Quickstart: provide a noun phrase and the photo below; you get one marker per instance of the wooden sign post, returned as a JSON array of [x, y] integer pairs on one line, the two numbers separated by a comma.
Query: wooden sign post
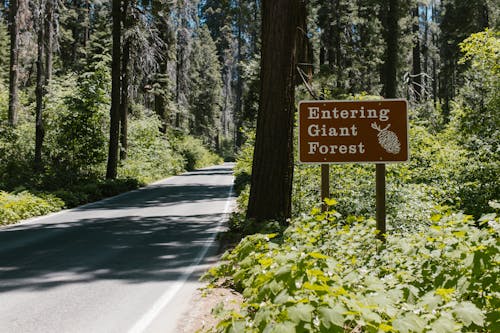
[[355, 132]]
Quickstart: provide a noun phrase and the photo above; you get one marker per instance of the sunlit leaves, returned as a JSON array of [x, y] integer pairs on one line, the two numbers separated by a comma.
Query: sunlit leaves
[[439, 279]]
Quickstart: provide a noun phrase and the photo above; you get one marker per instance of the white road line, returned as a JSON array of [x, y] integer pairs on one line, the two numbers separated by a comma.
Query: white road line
[[143, 323]]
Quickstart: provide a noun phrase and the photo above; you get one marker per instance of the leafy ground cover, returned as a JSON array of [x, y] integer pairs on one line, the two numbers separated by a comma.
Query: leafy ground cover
[[328, 273], [15, 207]]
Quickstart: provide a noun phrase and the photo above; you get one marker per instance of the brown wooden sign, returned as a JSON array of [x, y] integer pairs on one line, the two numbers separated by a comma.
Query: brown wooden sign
[[353, 131]]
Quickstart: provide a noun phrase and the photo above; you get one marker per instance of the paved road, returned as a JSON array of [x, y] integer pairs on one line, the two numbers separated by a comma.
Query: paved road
[[126, 264]]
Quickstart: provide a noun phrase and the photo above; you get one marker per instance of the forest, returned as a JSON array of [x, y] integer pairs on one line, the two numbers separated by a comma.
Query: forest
[[98, 98]]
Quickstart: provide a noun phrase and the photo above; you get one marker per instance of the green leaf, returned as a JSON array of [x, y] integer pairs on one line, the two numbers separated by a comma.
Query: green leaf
[[286, 327], [444, 325], [318, 255], [330, 202], [237, 326], [468, 313], [282, 297], [331, 317], [300, 312], [409, 323]]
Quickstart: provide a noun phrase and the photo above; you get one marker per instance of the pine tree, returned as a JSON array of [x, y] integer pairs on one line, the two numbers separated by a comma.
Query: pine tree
[[205, 89]]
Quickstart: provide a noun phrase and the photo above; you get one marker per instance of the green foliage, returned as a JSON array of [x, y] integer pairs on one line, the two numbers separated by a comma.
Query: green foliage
[[243, 166], [432, 177], [194, 154], [476, 116], [23, 205], [476, 121], [4, 52], [205, 89], [79, 130], [94, 190], [150, 153], [327, 273], [16, 151]]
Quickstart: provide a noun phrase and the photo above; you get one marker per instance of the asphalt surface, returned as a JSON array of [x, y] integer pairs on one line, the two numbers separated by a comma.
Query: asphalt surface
[[125, 264]]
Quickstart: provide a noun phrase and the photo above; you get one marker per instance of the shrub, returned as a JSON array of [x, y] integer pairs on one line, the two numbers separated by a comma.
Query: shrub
[[195, 155], [150, 153], [23, 205], [17, 153], [329, 274]]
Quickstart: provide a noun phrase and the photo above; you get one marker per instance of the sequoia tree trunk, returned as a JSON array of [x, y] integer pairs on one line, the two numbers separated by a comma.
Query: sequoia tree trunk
[[124, 104], [39, 91], [114, 126], [272, 169]]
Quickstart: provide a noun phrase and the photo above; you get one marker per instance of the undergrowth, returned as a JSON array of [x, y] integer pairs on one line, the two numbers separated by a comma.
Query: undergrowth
[[328, 273]]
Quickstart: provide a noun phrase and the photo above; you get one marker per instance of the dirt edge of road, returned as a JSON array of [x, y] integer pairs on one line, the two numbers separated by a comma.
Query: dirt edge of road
[[201, 316]]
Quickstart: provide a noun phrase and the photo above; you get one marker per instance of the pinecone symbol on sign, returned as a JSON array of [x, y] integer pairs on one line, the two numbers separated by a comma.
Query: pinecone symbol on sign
[[387, 139]]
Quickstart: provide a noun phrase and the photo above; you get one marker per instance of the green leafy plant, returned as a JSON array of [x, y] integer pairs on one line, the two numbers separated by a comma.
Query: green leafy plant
[[327, 273], [23, 205]]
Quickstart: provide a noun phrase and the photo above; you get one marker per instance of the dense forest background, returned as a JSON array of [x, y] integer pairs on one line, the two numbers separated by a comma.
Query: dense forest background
[[131, 91]]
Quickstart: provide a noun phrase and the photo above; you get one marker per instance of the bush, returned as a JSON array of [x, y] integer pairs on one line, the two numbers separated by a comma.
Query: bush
[[195, 155], [329, 274], [17, 154], [95, 190], [150, 153], [23, 205]]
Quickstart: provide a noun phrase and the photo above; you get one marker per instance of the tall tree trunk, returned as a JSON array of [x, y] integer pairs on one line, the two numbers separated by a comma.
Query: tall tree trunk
[[425, 54], [160, 103], [391, 64], [86, 27], [14, 62], [391, 36], [338, 46], [161, 13], [272, 169], [39, 91], [417, 69], [49, 37], [239, 86], [114, 126], [125, 84]]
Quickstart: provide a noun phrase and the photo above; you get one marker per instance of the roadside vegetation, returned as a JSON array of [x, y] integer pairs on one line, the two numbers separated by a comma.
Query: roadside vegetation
[[74, 168], [438, 269]]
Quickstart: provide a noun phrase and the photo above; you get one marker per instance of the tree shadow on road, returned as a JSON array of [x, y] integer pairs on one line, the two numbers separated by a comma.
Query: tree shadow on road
[[80, 246]]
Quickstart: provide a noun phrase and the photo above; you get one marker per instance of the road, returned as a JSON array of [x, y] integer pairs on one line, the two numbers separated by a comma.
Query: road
[[125, 264]]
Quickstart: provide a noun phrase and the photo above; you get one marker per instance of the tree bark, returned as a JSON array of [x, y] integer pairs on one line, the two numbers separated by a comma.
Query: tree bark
[[14, 62], [49, 40], [239, 87], [425, 55], [39, 91], [272, 172], [417, 68], [86, 27], [391, 36], [114, 126], [125, 85]]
